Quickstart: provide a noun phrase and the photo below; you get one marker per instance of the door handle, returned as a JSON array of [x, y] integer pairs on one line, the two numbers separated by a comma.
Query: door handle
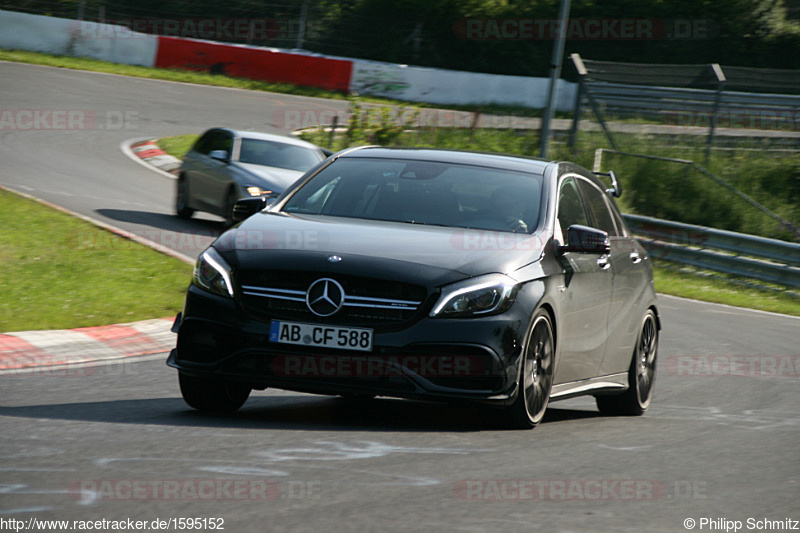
[[602, 262], [635, 257]]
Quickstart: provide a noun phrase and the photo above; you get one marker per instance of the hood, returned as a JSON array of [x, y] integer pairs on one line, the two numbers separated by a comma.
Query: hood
[[426, 255], [278, 179]]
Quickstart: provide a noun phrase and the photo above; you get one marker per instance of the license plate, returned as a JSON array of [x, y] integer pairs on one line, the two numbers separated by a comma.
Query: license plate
[[319, 335]]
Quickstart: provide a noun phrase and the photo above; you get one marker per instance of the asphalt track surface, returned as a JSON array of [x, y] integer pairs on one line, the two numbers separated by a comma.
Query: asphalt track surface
[[116, 442]]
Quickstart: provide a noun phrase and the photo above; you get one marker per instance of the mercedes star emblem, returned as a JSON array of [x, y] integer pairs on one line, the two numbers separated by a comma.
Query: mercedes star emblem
[[324, 297]]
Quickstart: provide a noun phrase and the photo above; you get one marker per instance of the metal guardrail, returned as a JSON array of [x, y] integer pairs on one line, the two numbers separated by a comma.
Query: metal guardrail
[[739, 254], [598, 164], [661, 101], [693, 95]]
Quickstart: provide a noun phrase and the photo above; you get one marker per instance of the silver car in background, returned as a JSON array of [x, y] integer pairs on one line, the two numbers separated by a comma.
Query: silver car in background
[[225, 165]]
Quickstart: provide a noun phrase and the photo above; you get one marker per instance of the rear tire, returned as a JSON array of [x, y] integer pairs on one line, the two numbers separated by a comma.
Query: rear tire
[[536, 375], [641, 375], [212, 395], [182, 208]]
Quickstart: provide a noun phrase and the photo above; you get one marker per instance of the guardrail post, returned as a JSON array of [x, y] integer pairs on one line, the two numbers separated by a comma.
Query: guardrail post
[[576, 115], [334, 125], [583, 89], [720, 77]]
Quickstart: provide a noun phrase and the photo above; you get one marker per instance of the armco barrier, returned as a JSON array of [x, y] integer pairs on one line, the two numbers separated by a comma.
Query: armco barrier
[[254, 63], [739, 254]]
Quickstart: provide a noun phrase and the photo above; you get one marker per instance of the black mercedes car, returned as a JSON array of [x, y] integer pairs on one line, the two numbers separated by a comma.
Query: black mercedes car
[[426, 274]]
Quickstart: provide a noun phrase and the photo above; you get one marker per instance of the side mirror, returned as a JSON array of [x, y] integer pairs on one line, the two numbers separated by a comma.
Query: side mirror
[[586, 240], [219, 155], [616, 186], [247, 207]]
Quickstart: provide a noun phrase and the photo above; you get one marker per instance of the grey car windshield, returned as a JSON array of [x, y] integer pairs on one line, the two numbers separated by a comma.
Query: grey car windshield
[[422, 192], [280, 155]]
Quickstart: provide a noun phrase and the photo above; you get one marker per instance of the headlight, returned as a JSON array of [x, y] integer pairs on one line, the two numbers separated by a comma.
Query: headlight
[[490, 294], [258, 191], [213, 274]]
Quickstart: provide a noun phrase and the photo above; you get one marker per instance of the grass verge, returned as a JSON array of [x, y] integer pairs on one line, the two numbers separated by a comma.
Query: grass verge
[[717, 290], [178, 145], [63, 272]]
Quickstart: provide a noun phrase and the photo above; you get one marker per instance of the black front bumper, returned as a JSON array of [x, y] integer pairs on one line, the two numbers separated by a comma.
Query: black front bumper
[[447, 359]]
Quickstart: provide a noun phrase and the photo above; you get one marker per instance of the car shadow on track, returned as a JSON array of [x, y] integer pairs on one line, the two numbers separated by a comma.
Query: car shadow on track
[[294, 413], [211, 225], [189, 237]]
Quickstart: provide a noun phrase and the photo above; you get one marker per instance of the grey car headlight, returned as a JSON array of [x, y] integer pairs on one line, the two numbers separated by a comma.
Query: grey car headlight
[[483, 295], [213, 274]]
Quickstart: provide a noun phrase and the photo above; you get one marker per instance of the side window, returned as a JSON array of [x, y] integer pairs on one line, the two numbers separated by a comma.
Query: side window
[[596, 202], [570, 206]]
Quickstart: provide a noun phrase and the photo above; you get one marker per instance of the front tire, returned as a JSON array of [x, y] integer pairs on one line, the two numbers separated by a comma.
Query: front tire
[[641, 375], [230, 203], [536, 375], [182, 208], [212, 395]]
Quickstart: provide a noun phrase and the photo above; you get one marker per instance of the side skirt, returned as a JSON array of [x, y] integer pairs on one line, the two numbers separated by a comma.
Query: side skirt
[[612, 384]]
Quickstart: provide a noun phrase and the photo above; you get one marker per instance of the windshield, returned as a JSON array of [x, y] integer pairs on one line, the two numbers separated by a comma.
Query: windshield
[[277, 154], [422, 192]]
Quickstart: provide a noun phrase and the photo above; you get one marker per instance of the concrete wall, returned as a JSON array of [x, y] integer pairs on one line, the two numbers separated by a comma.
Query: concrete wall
[[444, 87], [51, 35]]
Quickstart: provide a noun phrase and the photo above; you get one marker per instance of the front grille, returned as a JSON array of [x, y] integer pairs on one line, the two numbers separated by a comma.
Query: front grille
[[367, 301]]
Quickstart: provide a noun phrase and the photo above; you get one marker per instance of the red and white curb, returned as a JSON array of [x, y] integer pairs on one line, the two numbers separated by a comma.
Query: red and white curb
[[31, 350], [147, 153], [152, 154]]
